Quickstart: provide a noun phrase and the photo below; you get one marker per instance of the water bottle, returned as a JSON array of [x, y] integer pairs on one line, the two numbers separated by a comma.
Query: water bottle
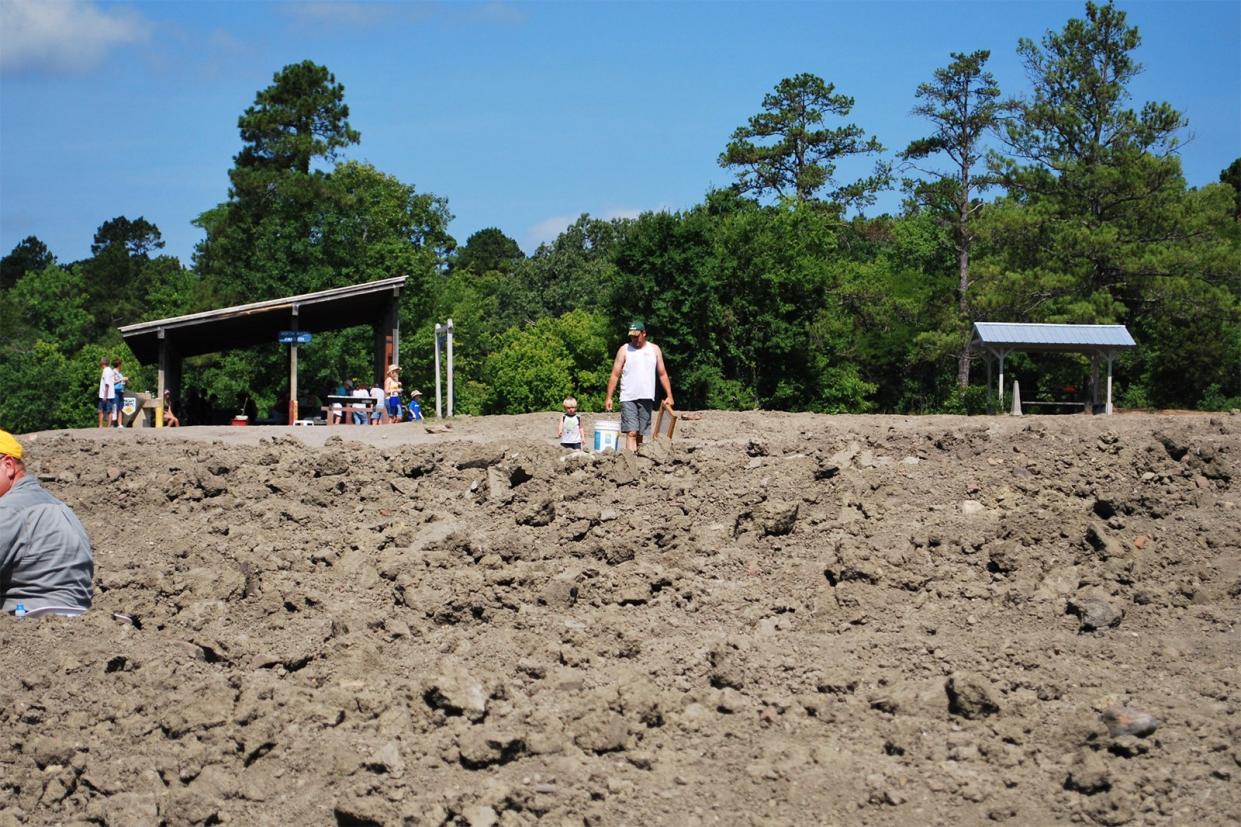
[[20, 610]]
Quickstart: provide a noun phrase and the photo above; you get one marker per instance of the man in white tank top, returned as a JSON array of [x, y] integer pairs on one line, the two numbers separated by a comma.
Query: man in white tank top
[[636, 366]]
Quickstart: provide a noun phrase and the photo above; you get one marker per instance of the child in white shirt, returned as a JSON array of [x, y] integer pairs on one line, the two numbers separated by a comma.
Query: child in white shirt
[[569, 431]]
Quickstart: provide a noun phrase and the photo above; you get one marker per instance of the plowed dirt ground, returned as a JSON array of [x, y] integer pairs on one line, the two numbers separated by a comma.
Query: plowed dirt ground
[[775, 619]]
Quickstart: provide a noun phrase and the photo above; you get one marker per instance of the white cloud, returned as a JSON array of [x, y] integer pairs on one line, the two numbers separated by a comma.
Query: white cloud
[[371, 13], [623, 212], [64, 35], [341, 13], [548, 229]]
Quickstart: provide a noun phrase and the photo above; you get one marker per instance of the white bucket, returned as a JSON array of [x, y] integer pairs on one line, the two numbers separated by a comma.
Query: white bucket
[[607, 433]]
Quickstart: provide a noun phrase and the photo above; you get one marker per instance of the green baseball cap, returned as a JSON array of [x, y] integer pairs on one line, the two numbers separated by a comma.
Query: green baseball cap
[[637, 326]]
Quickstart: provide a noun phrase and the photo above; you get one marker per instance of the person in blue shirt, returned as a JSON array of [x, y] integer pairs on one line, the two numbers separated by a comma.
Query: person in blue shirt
[[415, 406]]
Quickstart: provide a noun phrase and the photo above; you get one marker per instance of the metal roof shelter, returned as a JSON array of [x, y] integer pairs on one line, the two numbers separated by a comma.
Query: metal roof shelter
[[1101, 341], [168, 341]]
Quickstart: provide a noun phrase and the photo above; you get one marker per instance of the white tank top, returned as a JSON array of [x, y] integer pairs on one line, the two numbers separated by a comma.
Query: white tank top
[[638, 374]]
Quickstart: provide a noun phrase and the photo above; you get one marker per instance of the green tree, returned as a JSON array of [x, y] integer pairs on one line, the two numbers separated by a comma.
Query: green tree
[[302, 116], [50, 304], [29, 254], [1232, 177], [114, 274], [264, 241], [575, 270], [296, 221], [963, 104], [785, 150], [535, 367], [1099, 225], [37, 392], [487, 250], [138, 238], [1093, 165]]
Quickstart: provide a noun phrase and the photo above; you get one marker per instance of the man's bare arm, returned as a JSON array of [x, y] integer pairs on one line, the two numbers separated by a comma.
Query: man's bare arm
[[663, 377], [617, 366]]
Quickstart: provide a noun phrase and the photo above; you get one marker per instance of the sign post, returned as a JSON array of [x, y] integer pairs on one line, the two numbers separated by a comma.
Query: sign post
[[444, 330], [293, 338]]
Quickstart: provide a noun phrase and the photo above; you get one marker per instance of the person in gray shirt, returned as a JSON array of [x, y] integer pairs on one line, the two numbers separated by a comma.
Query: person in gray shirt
[[45, 555]]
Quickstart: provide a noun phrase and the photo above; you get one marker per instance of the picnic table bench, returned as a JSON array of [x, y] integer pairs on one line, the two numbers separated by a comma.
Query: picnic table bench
[[349, 405], [1081, 405]]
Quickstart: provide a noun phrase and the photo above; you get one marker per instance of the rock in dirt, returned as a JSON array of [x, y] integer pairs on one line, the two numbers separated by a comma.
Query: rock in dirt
[[971, 696], [1127, 720], [456, 692], [1094, 610]]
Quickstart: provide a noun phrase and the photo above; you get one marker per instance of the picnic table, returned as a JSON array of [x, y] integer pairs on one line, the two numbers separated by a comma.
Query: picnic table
[[348, 405], [143, 407]]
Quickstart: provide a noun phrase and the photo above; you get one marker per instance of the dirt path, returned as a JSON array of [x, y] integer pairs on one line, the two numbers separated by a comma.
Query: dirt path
[[782, 619]]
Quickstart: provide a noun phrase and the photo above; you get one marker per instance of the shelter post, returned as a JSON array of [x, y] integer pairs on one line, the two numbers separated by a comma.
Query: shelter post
[[387, 336], [1110, 357], [168, 374], [293, 413], [450, 367], [1001, 354]]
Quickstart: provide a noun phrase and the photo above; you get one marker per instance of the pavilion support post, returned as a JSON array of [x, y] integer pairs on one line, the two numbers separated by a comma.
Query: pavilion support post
[[388, 337], [161, 381], [1001, 354], [1110, 357], [168, 375], [293, 413]]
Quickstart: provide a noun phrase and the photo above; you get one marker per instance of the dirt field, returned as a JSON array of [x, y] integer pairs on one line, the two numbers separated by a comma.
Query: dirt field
[[781, 619]]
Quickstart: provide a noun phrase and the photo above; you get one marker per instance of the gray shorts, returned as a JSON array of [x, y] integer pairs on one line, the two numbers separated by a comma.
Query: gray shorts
[[636, 415]]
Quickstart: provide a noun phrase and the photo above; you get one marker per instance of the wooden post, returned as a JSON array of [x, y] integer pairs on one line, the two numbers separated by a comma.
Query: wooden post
[[293, 417], [387, 337], [161, 381]]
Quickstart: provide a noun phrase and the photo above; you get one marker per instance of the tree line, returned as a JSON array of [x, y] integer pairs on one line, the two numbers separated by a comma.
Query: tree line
[[1064, 203]]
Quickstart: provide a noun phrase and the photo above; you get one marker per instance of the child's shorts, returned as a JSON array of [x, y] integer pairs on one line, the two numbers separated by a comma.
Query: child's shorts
[[573, 446]]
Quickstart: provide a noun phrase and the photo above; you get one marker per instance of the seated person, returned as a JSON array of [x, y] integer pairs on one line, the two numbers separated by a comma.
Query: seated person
[[45, 555], [378, 415], [338, 411], [360, 391], [170, 419]]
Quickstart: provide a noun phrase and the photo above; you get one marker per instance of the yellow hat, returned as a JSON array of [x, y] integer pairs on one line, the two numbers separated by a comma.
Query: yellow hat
[[9, 445]]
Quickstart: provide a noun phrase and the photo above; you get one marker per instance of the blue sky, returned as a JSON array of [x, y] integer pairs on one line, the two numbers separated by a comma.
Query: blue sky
[[522, 115]]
